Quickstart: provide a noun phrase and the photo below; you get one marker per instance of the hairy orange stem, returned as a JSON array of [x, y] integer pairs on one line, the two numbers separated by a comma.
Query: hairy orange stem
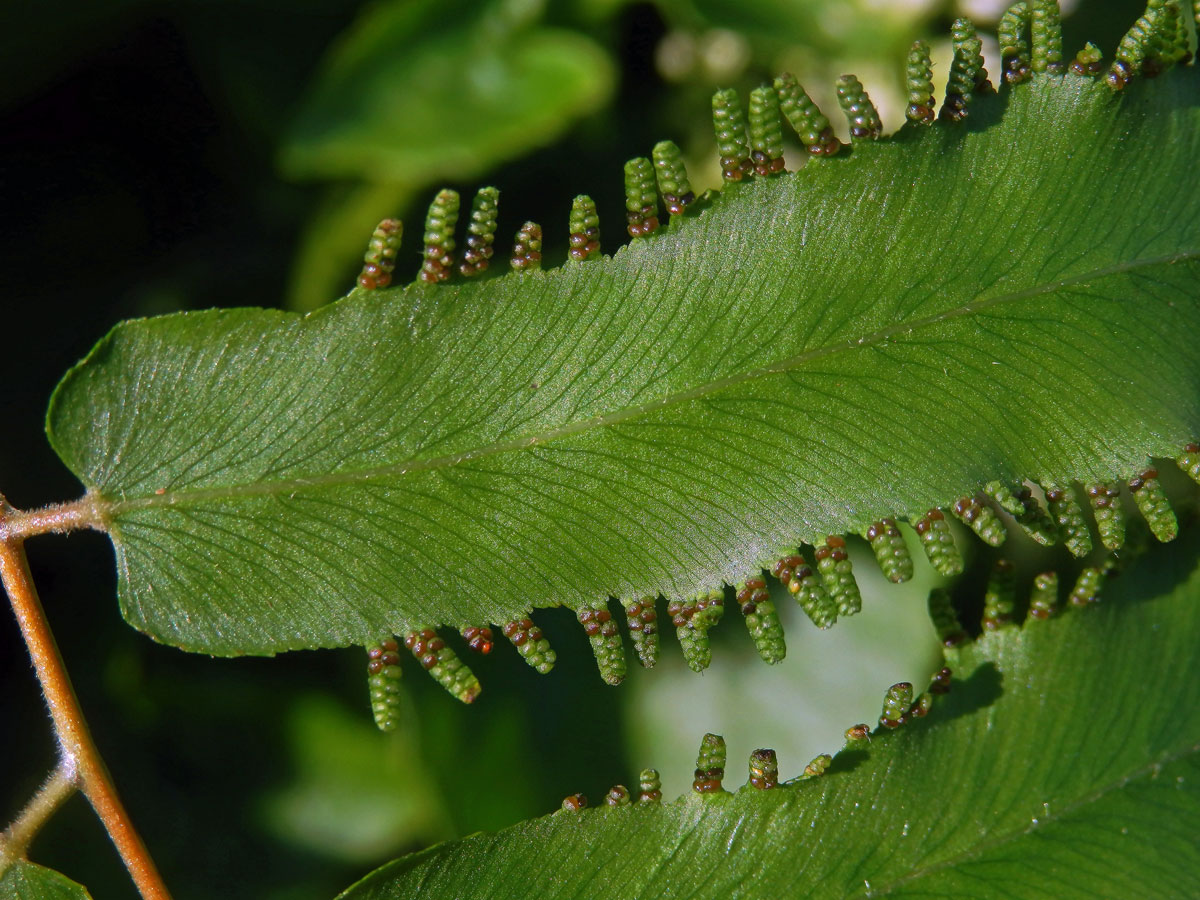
[[58, 788], [80, 757], [16, 525]]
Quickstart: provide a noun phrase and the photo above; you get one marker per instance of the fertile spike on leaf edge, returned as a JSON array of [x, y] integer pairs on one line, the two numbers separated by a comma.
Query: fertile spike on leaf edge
[[1014, 46], [818, 766], [710, 765], [529, 641], [642, 618], [981, 519], [833, 562], [733, 144], [478, 638], [803, 115], [481, 232], [967, 75], [762, 620], [1046, 37], [1043, 599], [858, 736], [574, 802], [808, 588], [1152, 502], [1087, 587], [945, 619], [383, 681], [527, 247], [584, 227], [896, 703], [1109, 514], [618, 795], [764, 770], [861, 114], [606, 643], [672, 177], [938, 541], [1068, 516], [918, 77], [999, 599], [440, 223], [692, 620], [1189, 461], [891, 550], [1089, 61], [921, 706], [649, 786], [1150, 47], [766, 132], [443, 664], [1018, 501], [380, 259], [641, 202]]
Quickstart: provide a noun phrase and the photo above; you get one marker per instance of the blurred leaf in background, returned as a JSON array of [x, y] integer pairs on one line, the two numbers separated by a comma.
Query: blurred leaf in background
[[439, 89], [420, 91], [354, 793]]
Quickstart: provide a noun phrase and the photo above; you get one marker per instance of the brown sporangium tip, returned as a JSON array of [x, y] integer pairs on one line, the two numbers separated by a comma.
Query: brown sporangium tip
[[574, 802]]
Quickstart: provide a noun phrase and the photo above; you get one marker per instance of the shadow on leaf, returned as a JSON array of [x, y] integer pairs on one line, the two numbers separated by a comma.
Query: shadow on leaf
[[983, 688], [848, 761]]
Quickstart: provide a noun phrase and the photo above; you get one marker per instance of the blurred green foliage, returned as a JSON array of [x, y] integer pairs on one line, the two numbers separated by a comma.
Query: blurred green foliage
[[418, 91], [415, 92]]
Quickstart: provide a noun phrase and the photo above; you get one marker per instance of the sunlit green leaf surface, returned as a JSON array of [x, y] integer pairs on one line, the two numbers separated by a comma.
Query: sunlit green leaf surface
[[880, 333]]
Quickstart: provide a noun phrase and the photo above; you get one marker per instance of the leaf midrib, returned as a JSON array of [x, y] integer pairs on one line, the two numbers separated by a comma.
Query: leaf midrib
[[169, 498], [999, 841]]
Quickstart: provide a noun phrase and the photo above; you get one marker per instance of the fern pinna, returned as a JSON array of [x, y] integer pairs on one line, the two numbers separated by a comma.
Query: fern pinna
[[885, 342]]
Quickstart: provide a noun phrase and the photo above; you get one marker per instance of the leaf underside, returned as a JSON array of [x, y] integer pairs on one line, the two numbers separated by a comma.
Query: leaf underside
[[1036, 776], [880, 333]]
